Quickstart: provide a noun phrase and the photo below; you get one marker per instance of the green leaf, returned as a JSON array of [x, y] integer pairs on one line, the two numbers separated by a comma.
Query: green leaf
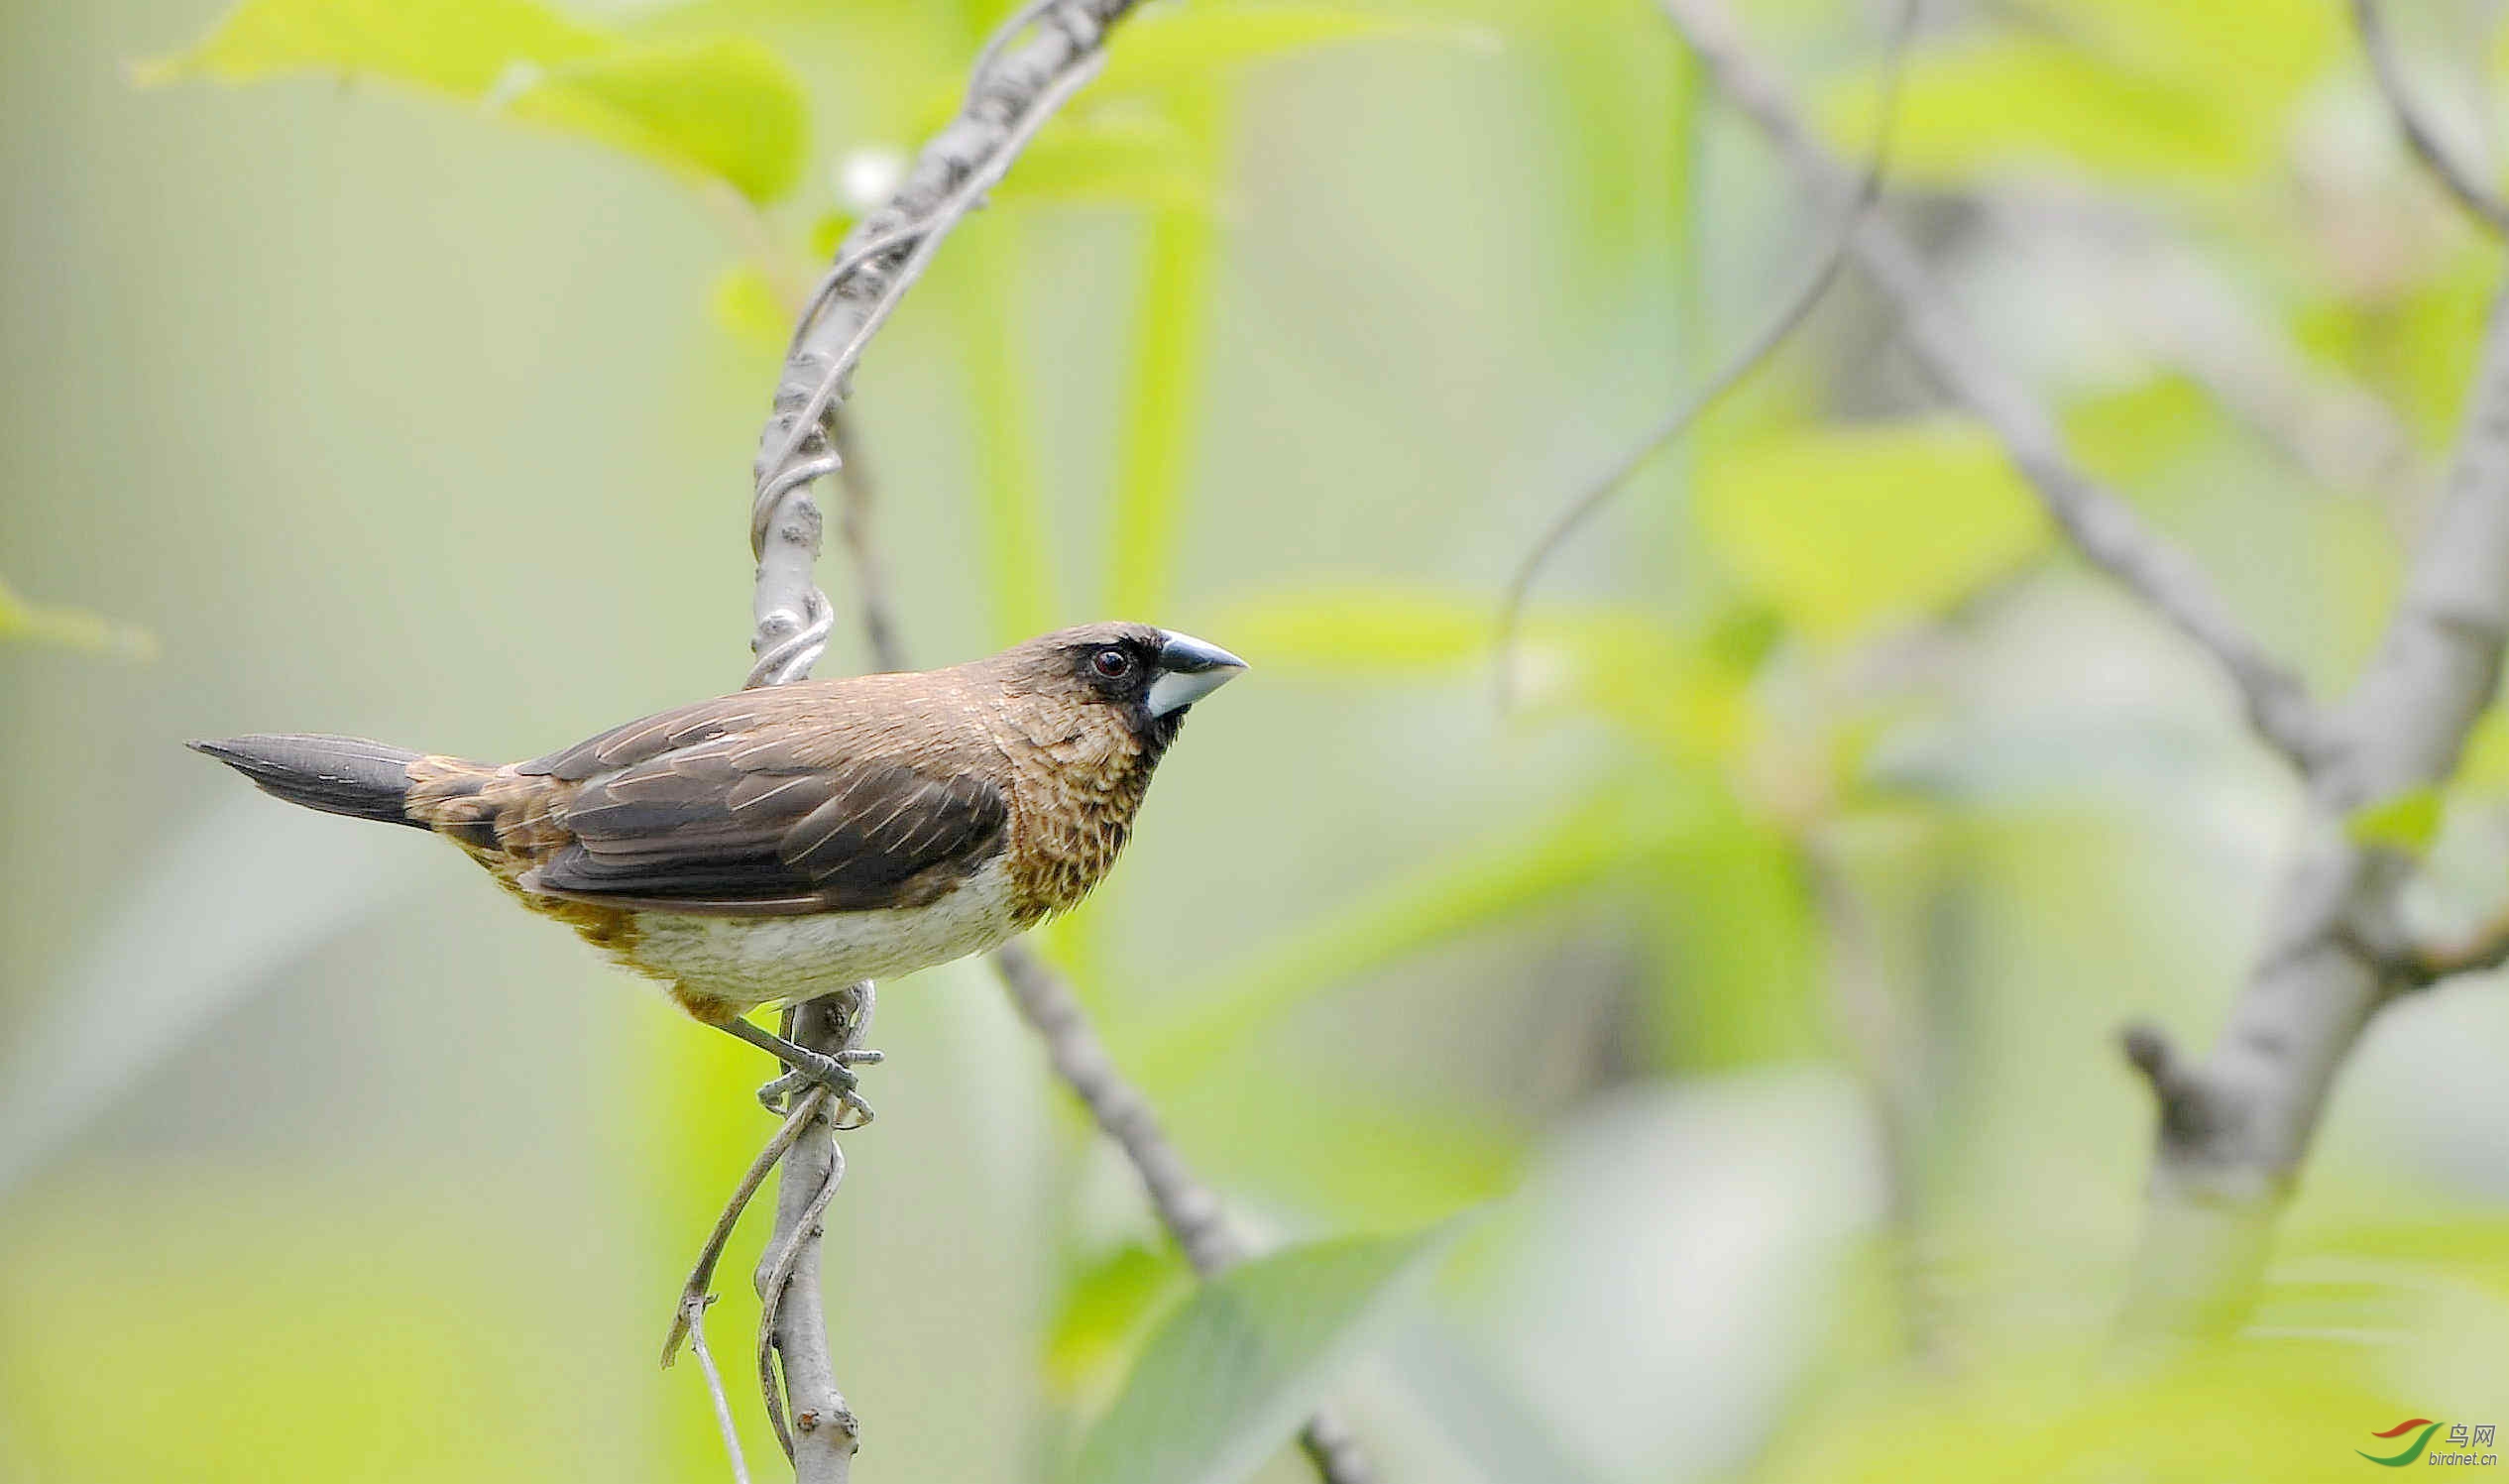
[[1425, 633], [1149, 130], [1457, 891], [2284, 1409], [246, 1320], [2483, 764], [2132, 436], [1735, 943], [2127, 90], [2025, 98], [723, 108], [71, 628], [1133, 156], [1845, 528], [828, 234], [461, 47], [745, 305], [985, 281], [728, 108], [1623, 119], [1183, 51], [1105, 1308], [1694, 703], [2406, 822], [1348, 1155], [1166, 367], [1229, 1375]]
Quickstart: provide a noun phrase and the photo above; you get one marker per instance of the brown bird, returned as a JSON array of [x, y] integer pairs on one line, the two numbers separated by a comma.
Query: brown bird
[[780, 844]]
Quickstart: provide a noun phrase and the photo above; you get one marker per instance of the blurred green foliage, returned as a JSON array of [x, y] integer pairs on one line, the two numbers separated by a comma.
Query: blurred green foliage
[[728, 109], [29, 622], [1756, 970], [1240, 1362]]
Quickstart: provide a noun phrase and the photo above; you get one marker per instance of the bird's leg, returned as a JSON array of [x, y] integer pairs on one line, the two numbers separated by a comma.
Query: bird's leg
[[809, 1069]]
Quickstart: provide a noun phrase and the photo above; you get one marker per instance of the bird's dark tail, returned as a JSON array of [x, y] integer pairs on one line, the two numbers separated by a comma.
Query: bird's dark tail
[[335, 774]]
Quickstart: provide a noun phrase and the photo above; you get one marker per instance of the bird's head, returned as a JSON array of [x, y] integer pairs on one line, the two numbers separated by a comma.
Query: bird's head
[[1148, 675]]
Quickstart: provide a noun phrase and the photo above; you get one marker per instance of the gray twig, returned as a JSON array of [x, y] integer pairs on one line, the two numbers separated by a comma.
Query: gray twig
[[1781, 327], [696, 1326], [2419, 134], [697, 1292], [2184, 310], [2104, 528], [2481, 953], [1188, 1208], [1882, 1039], [811, 1419], [2236, 1124], [1013, 91]]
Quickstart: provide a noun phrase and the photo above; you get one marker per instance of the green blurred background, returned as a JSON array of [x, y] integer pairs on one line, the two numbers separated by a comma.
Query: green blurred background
[[1755, 979]]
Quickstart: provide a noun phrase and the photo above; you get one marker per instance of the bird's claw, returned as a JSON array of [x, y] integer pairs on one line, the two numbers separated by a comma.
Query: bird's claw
[[833, 1072]]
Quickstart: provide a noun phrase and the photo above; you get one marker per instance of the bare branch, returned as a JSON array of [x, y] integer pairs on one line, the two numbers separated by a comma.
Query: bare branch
[[2186, 310], [696, 1293], [696, 1329], [1014, 90], [1781, 329], [811, 1419], [2102, 527], [2461, 183], [1188, 1208], [2481, 953], [2165, 1071], [2234, 1127], [1886, 1044]]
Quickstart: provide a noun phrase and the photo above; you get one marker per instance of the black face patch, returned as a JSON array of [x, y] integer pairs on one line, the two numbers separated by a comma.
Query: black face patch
[[1118, 671]]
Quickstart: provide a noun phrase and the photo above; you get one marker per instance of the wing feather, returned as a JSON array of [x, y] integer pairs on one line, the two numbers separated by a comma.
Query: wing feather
[[756, 831]]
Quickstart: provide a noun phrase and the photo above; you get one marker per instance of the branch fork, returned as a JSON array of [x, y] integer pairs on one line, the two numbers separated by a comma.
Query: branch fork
[[2234, 1126]]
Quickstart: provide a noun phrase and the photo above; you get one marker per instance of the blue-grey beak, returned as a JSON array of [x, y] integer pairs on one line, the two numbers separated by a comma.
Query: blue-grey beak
[[1188, 670]]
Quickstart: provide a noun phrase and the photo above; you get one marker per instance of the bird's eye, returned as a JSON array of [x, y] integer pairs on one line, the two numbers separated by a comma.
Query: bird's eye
[[1114, 664]]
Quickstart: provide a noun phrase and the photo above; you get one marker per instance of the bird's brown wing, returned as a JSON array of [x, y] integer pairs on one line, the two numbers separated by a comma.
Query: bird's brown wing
[[649, 738], [735, 807]]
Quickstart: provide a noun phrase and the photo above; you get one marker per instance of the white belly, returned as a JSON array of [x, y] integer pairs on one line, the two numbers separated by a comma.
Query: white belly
[[754, 960]]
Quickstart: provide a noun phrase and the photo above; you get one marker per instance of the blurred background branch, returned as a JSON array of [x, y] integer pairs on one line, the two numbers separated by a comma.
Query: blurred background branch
[[1793, 312], [2102, 526], [1190, 1210], [2478, 199], [2235, 1130], [2236, 1127]]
